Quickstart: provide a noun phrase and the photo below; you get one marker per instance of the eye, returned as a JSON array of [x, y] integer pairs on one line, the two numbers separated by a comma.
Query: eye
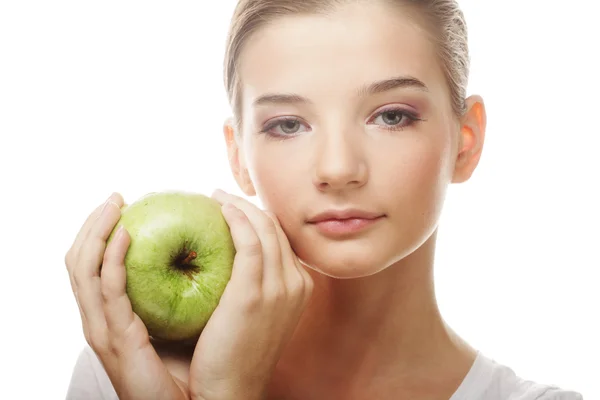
[[282, 127], [395, 118], [290, 126], [391, 117]]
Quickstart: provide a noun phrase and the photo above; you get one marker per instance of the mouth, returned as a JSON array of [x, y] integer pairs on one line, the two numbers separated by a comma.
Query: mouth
[[341, 215], [340, 223]]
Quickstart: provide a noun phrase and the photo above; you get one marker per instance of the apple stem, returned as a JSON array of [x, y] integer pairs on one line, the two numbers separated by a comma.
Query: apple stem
[[190, 257]]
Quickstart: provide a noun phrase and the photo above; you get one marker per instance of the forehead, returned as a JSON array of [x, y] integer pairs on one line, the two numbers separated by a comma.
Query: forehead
[[335, 53]]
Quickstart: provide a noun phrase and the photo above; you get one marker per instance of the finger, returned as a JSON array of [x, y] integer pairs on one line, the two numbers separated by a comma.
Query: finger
[[94, 245], [308, 281], [89, 222], [73, 253], [291, 274], [267, 234], [248, 261], [114, 201], [87, 272], [117, 306]]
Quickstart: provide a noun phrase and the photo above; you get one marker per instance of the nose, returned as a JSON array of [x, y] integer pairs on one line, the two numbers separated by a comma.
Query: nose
[[340, 162]]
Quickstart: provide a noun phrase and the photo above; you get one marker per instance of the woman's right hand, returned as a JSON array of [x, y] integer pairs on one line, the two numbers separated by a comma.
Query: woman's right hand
[[111, 328]]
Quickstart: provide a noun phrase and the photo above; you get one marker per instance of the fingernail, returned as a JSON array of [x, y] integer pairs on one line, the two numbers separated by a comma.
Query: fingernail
[[120, 232], [106, 206], [217, 192]]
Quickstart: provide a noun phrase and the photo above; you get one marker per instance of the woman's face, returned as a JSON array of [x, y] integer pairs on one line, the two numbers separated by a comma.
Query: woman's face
[[348, 111]]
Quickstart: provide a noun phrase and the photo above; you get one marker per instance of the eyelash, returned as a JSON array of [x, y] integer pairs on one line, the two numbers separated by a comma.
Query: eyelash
[[275, 124], [412, 119]]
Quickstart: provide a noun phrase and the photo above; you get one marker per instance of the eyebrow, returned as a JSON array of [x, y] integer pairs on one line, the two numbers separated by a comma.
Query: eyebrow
[[392, 83], [280, 98], [366, 90]]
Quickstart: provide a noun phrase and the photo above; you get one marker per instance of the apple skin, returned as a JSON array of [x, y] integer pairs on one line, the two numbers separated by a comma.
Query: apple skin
[[178, 263]]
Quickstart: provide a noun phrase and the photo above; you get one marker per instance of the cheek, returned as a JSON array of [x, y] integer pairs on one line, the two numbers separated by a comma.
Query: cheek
[[418, 177], [276, 181]]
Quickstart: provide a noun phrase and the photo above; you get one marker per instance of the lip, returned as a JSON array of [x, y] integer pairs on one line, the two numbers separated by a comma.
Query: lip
[[349, 213], [340, 223]]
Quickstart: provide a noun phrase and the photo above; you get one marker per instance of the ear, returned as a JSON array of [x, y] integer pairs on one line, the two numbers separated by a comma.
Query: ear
[[472, 136], [236, 158]]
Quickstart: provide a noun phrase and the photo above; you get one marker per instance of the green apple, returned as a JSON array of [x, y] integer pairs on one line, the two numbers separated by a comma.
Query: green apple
[[178, 263]]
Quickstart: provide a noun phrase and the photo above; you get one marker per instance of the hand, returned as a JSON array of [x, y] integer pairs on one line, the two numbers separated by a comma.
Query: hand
[[115, 333], [258, 311]]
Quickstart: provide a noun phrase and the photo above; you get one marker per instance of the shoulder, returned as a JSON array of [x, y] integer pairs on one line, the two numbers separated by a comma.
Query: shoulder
[[89, 379], [490, 380]]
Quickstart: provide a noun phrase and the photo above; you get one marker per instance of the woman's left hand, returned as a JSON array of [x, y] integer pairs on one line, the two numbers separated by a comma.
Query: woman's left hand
[[258, 312]]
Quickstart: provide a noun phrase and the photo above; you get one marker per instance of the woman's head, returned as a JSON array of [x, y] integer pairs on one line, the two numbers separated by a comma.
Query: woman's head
[[351, 104]]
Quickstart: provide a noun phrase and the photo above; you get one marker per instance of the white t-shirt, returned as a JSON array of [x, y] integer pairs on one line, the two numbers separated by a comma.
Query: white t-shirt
[[486, 380]]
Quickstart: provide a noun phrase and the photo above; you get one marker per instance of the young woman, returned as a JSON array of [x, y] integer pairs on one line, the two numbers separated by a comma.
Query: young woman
[[350, 120]]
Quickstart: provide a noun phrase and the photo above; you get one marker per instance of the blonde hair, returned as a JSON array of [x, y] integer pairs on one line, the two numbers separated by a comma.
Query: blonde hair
[[443, 19]]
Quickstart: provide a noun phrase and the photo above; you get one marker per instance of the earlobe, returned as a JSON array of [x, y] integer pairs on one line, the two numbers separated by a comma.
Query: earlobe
[[472, 137], [236, 160]]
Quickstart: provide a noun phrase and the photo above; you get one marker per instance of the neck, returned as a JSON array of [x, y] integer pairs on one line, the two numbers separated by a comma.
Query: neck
[[385, 324]]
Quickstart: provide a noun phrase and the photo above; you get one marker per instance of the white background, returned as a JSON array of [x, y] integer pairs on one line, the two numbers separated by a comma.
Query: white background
[[127, 96]]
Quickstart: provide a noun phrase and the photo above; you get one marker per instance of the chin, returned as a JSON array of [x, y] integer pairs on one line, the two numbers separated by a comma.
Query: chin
[[357, 259], [344, 267]]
